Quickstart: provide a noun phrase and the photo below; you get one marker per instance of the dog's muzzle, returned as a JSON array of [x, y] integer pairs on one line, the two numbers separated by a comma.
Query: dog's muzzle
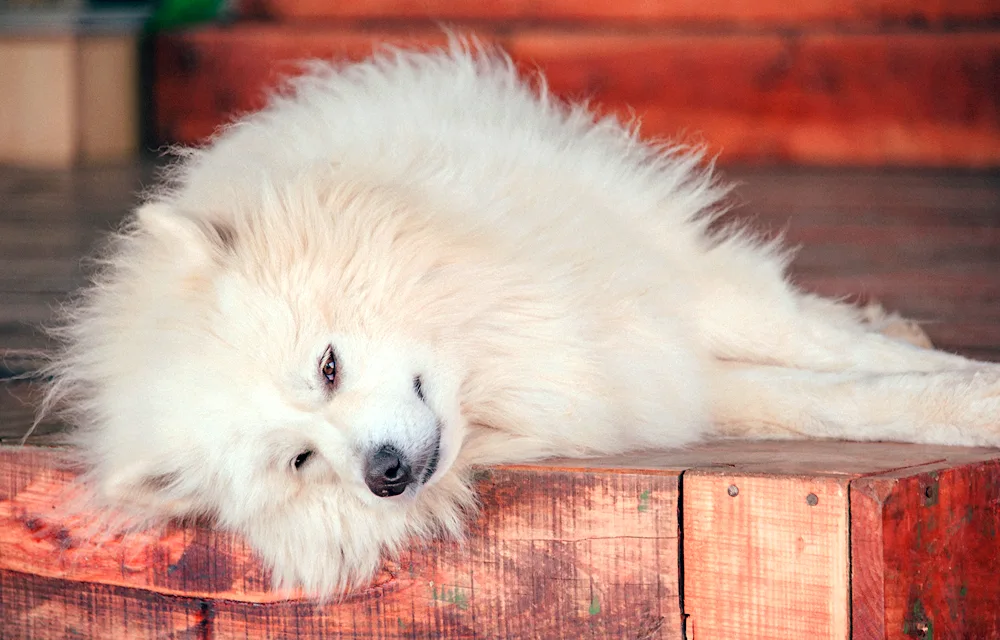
[[388, 471]]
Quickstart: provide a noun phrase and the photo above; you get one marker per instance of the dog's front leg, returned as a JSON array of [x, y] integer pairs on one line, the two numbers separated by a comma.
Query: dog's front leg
[[949, 407]]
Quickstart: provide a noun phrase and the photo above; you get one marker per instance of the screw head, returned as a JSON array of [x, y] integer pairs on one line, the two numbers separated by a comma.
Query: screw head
[[733, 490], [812, 500]]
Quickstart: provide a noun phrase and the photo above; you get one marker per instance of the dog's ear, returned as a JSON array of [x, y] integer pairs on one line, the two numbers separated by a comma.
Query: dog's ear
[[141, 488], [209, 235]]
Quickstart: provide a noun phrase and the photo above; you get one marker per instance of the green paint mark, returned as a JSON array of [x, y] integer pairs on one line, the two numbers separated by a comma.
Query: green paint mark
[[595, 606], [918, 624], [450, 596], [964, 590], [644, 501], [989, 529]]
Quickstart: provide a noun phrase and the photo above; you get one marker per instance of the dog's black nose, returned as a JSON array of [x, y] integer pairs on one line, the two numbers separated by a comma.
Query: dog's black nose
[[388, 472]]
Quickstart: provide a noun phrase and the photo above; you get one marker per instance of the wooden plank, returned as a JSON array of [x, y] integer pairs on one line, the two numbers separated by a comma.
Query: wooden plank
[[590, 554], [19, 401], [204, 77], [896, 197], [762, 559], [927, 99], [921, 242], [109, 99], [894, 261], [49, 609], [32, 273], [967, 336], [66, 98], [38, 101], [645, 12], [831, 99], [902, 245], [27, 308], [797, 458], [515, 579], [917, 292], [42, 536], [924, 553], [588, 547], [765, 557]]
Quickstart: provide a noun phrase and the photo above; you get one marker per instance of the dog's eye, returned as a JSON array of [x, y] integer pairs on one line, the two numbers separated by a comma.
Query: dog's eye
[[418, 388], [329, 367], [302, 458]]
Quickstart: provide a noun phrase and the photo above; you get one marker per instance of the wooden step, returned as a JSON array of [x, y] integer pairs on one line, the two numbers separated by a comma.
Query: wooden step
[[819, 98], [730, 540], [641, 12], [922, 243]]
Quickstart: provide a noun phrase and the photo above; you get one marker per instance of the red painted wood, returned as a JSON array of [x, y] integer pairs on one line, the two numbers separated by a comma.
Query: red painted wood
[[645, 12], [589, 552], [585, 548], [924, 553], [826, 99]]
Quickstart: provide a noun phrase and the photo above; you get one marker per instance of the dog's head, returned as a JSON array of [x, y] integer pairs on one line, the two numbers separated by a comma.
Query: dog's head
[[276, 368]]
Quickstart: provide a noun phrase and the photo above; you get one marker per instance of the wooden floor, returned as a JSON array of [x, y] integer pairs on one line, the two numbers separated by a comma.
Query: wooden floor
[[926, 244]]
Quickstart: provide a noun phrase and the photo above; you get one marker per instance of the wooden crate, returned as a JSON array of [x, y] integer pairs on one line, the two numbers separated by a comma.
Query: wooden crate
[[68, 98], [729, 540]]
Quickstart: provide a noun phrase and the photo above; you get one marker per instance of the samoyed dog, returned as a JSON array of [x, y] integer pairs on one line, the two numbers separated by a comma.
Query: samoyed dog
[[412, 265]]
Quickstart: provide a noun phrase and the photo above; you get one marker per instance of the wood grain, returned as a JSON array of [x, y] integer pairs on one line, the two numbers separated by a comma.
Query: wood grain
[[645, 12], [49, 609], [589, 554], [923, 243], [38, 101], [203, 78], [19, 402], [766, 562], [762, 560], [924, 552], [908, 99], [109, 97], [838, 99], [566, 548], [67, 98]]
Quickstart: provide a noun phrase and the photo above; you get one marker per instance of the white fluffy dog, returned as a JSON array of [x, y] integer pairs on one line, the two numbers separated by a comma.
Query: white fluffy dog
[[419, 263]]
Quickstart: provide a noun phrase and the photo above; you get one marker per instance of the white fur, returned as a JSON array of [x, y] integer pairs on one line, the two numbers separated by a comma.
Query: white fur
[[549, 276]]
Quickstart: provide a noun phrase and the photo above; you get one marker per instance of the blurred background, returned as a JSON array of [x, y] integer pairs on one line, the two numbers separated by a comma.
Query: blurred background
[[868, 131]]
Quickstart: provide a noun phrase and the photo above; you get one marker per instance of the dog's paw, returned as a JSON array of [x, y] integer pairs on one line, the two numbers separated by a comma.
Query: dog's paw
[[975, 405], [895, 326]]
